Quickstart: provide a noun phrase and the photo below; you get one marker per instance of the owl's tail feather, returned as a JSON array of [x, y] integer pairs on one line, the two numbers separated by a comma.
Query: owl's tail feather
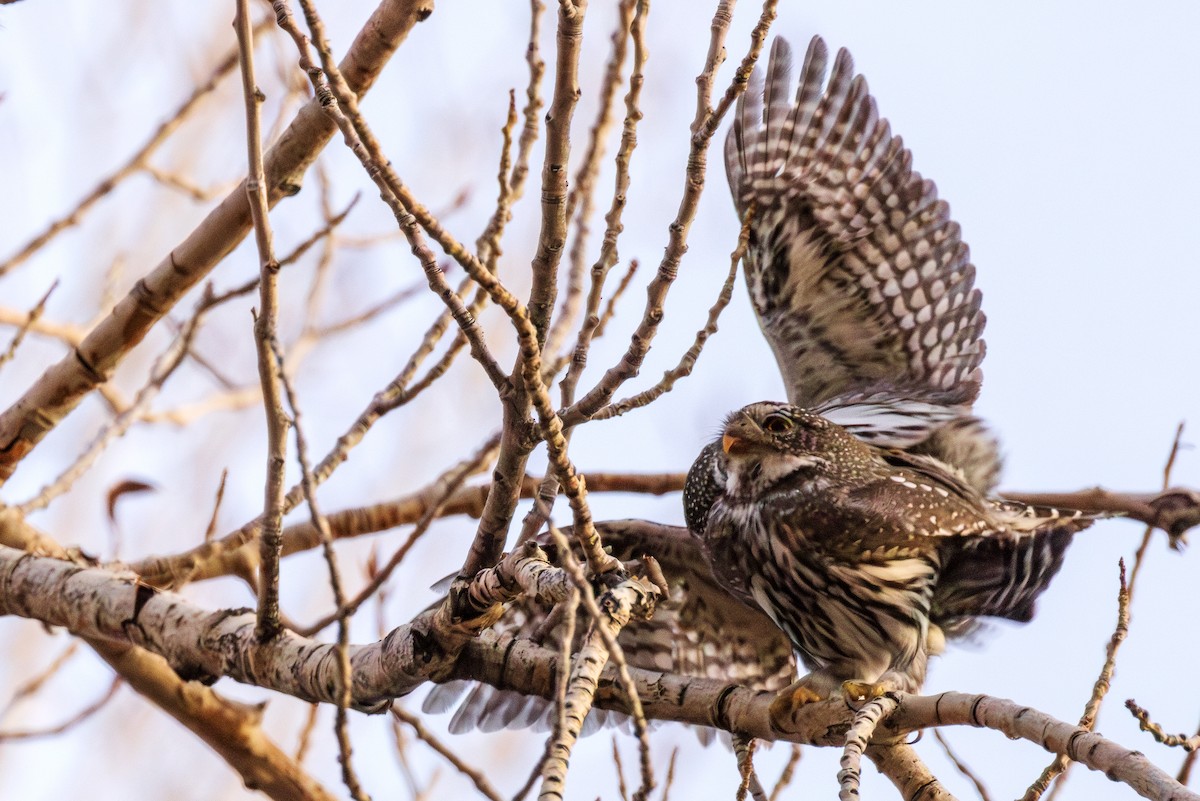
[[1002, 576]]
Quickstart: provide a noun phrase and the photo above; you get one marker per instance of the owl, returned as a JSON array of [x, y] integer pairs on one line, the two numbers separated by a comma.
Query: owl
[[857, 516], [866, 557], [864, 289]]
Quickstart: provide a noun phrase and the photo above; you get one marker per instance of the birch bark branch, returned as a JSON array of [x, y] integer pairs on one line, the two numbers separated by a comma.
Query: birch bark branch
[[198, 643]]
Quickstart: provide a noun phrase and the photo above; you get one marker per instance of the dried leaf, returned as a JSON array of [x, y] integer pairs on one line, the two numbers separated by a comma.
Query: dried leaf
[[123, 488]]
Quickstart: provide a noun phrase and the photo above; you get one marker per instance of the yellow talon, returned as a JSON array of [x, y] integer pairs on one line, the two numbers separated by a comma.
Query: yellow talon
[[784, 705], [858, 693]]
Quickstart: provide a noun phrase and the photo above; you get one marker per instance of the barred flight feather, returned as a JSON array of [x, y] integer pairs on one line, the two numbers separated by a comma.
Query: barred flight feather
[[699, 631], [860, 280]]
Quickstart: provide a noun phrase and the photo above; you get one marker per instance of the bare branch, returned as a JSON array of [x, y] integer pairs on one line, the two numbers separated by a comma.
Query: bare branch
[[61, 387], [97, 603], [474, 774], [349, 777], [33, 685], [1087, 720], [69, 723], [789, 770], [1173, 510], [962, 767], [231, 729], [743, 748], [688, 361], [163, 369], [656, 293], [31, 319], [138, 161], [1183, 741], [265, 337], [862, 728], [447, 484], [533, 100], [902, 766], [582, 194], [610, 614]]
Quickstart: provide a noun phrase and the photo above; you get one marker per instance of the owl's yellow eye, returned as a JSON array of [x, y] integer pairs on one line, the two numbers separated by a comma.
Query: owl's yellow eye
[[777, 423]]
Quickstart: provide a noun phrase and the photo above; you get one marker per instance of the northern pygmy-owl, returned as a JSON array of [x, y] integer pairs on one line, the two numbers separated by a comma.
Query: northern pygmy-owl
[[857, 518], [865, 556]]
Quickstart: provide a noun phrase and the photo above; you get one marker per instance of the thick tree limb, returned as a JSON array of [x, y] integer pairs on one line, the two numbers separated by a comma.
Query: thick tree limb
[[521, 666], [101, 604], [229, 728], [908, 772], [197, 643]]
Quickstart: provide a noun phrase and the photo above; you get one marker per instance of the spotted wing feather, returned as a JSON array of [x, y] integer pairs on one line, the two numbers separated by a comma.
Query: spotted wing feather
[[701, 630], [860, 279]]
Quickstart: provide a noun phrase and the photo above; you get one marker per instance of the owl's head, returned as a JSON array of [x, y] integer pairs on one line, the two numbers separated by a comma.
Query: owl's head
[[765, 443]]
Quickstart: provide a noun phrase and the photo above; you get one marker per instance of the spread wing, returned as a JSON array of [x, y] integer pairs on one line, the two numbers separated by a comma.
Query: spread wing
[[701, 630], [860, 279]]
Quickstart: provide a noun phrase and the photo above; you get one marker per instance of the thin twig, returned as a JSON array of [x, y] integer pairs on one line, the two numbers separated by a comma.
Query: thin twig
[[69, 723], [620, 769], [293, 256], [447, 484], [265, 322], [1183, 741], [164, 368], [344, 676], [1060, 766], [305, 738], [670, 780], [1185, 769], [474, 774], [789, 771], [211, 529], [962, 766], [1087, 720], [31, 320], [688, 362], [135, 162], [703, 127], [341, 104], [68, 334], [533, 101], [64, 384], [37, 682], [183, 185]]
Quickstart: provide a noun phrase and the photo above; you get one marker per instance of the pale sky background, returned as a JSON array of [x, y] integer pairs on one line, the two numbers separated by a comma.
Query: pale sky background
[[1061, 134]]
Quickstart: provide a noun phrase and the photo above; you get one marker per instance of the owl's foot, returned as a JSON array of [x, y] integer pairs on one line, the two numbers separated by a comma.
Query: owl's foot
[[858, 693], [795, 695]]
